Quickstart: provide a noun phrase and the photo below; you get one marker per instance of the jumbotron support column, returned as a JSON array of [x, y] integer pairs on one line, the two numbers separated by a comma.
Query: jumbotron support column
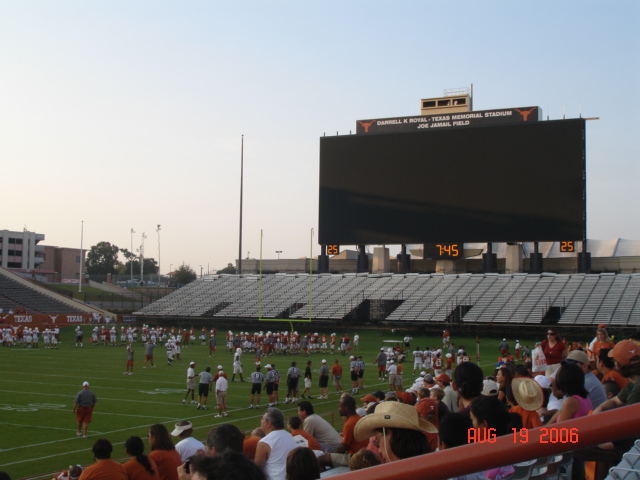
[[363, 260], [404, 260], [323, 260], [489, 260], [535, 260]]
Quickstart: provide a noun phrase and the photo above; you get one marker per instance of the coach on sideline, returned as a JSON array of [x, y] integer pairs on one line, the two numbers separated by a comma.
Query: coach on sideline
[[83, 408]]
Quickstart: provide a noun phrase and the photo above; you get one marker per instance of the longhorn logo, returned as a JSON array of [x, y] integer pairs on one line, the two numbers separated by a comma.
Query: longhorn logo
[[525, 113], [366, 125], [53, 318]]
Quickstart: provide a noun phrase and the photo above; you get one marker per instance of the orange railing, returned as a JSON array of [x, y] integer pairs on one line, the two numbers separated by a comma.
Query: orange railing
[[571, 435]]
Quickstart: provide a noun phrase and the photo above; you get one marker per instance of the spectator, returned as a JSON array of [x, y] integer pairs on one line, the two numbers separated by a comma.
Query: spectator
[[363, 459], [570, 383], [224, 437], [606, 366], [104, 466], [73, 473], [504, 378], [250, 443], [526, 397], [228, 466], [272, 450], [348, 445], [318, 427], [450, 396], [187, 446], [553, 348], [139, 466], [594, 386], [398, 430], [302, 438], [302, 465], [163, 452], [454, 431], [468, 384]]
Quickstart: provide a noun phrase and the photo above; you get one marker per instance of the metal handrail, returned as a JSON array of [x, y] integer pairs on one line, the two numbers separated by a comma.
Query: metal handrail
[[591, 430]]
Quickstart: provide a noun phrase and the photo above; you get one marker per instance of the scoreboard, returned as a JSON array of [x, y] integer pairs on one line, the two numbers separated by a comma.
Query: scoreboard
[[521, 182]]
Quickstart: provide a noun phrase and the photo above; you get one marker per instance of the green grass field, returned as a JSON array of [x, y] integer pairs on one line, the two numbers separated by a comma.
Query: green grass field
[[37, 388]]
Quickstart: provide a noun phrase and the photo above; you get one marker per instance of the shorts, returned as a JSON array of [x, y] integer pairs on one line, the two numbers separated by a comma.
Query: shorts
[[336, 379], [221, 398], [354, 377], [392, 379], [83, 414], [148, 357], [361, 374], [324, 381], [270, 388], [129, 363], [237, 369], [340, 459], [307, 383], [292, 383], [191, 384], [256, 388], [203, 389], [398, 380], [382, 368]]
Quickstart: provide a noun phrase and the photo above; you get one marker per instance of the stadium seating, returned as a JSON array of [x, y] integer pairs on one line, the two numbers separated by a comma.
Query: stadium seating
[[481, 298]]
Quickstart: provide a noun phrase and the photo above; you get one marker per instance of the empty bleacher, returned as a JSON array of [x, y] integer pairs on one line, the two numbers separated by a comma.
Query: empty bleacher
[[576, 299], [14, 294]]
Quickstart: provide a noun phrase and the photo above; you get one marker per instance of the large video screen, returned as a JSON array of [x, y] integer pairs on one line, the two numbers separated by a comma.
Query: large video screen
[[509, 183]]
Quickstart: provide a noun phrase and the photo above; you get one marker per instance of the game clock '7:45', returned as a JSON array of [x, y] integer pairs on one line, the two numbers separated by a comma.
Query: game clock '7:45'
[[443, 251]]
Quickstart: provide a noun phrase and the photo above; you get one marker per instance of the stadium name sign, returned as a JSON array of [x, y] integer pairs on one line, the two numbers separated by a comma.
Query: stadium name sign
[[43, 319], [450, 120]]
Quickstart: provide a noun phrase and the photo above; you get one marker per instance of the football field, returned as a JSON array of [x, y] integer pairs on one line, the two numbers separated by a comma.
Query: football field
[[37, 388]]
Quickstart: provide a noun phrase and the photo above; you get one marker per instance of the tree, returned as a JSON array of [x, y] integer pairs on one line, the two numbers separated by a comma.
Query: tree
[[184, 274], [228, 269], [102, 259], [150, 266]]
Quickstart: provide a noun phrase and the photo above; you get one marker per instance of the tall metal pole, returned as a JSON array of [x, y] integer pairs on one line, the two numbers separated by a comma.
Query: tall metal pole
[[81, 256], [158, 230], [132, 255], [241, 185], [142, 258]]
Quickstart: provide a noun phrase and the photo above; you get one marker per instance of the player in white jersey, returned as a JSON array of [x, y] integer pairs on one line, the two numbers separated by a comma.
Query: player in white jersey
[[113, 336], [418, 359], [170, 346], [130, 338]]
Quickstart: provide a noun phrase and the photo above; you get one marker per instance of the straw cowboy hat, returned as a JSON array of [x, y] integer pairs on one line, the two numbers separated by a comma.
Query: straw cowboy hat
[[392, 415], [527, 393]]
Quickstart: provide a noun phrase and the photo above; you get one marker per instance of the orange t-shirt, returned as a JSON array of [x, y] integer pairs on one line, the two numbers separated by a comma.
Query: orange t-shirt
[[336, 370], [530, 419], [168, 462], [105, 469], [249, 446], [313, 443], [348, 437], [136, 471]]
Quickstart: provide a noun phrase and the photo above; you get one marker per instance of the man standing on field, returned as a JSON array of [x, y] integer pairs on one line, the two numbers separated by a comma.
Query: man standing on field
[[83, 408]]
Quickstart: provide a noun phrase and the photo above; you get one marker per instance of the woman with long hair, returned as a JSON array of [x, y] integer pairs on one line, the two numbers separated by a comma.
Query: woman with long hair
[[570, 383], [139, 466], [163, 452]]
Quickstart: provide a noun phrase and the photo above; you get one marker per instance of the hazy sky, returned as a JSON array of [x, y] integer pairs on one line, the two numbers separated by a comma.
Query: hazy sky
[[130, 113]]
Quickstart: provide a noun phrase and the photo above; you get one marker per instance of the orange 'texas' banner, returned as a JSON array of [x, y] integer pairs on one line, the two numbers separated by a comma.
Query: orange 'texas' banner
[[36, 319]]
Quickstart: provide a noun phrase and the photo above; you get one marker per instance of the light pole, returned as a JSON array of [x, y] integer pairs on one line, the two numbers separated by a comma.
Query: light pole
[[142, 258], [158, 230], [81, 256], [200, 271], [278, 252], [132, 255]]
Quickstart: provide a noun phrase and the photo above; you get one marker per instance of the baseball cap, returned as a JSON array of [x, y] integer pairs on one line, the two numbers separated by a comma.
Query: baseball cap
[[379, 394], [578, 356], [324, 361], [268, 365], [543, 381], [181, 426], [422, 374], [85, 384], [490, 388], [444, 378], [219, 367], [428, 378], [192, 363], [625, 352]]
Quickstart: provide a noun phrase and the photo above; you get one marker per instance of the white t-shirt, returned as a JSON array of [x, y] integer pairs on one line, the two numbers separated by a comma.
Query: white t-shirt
[[281, 443], [188, 447], [222, 384], [190, 373]]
